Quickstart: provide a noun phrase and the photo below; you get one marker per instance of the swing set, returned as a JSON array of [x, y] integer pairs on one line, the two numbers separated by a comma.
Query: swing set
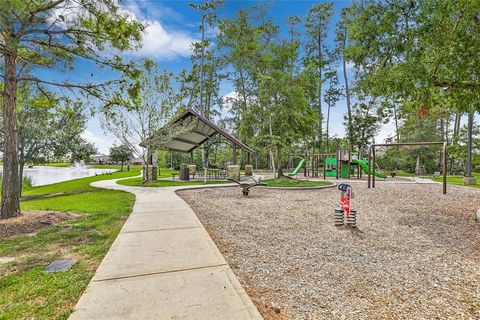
[[372, 158]]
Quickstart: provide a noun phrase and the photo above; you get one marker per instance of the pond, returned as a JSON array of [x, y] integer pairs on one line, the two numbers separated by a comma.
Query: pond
[[42, 175]]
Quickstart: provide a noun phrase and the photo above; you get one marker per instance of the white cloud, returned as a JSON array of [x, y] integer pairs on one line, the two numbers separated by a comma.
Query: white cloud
[[103, 144], [387, 131], [229, 99], [159, 43]]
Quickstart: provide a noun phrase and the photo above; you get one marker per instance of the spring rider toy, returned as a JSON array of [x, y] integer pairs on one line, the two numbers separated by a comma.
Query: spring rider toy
[[344, 209]]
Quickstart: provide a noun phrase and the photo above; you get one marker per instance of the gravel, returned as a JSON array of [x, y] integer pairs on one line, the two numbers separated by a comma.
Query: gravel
[[414, 255]]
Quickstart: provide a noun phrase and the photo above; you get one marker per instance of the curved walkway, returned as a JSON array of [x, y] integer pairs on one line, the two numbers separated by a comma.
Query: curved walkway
[[163, 265]]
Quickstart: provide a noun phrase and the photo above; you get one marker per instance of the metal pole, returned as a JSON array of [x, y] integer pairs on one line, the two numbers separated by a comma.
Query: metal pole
[[324, 169], [373, 168], [371, 157], [468, 171], [369, 162], [349, 160], [445, 159], [337, 165]]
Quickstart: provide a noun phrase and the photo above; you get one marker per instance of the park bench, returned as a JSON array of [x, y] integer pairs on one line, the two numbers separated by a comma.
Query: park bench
[[436, 174]]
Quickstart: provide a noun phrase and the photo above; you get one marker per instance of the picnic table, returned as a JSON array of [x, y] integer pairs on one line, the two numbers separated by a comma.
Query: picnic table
[[213, 173]]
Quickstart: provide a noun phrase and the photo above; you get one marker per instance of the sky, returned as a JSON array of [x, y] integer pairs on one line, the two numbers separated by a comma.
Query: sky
[[173, 27]]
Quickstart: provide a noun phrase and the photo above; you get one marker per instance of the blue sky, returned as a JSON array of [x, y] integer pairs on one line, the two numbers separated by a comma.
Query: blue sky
[[173, 26]]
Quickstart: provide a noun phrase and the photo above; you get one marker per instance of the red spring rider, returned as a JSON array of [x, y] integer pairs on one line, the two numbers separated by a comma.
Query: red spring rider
[[344, 209]]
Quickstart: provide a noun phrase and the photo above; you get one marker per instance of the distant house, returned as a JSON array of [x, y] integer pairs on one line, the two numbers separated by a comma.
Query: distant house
[[136, 161], [100, 159]]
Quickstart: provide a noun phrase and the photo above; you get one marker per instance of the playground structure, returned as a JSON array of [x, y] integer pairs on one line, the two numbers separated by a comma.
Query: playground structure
[[342, 164], [372, 158]]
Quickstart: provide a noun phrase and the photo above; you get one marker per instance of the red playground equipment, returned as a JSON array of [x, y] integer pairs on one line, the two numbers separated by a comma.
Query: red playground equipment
[[344, 210]]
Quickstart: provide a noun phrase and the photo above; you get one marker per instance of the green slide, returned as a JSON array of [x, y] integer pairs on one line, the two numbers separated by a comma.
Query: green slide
[[298, 168], [364, 165]]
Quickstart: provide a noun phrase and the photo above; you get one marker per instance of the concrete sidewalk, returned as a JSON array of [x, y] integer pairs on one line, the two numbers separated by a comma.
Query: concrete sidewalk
[[163, 265]]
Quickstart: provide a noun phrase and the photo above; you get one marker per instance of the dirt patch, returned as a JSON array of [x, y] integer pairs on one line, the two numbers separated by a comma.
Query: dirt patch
[[32, 221], [415, 254]]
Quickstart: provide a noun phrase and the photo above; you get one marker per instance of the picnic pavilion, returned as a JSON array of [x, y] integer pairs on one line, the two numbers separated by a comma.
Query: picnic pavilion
[[198, 131]]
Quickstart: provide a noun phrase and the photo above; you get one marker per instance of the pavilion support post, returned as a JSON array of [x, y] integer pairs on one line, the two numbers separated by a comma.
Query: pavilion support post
[[150, 170], [191, 157]]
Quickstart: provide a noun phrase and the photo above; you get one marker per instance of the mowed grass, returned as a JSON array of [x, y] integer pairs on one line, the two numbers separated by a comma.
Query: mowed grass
[[138, 182], [455, 180], [26, 291], [458, 180], [285, 182], [54, 164]]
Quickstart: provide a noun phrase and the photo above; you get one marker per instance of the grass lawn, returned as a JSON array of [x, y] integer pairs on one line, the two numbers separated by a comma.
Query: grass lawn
[[458, 180], [285, 182], [54, 164], [116, 166], [27, 292], [138, 182]]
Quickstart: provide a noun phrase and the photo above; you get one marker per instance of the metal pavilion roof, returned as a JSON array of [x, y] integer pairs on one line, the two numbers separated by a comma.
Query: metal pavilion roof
[[201, 131]]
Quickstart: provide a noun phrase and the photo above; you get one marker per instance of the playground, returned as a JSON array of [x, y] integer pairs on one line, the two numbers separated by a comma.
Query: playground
[[414, 253], [342, 164]]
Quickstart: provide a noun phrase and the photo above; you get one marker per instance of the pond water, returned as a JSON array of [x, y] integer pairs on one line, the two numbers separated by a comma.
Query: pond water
[[42, 175]]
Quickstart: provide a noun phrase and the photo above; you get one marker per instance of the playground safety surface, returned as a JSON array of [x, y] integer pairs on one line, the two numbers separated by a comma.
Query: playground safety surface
[[415, 254]]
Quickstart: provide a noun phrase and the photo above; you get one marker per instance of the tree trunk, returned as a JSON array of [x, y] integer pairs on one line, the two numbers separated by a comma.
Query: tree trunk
[[280, 162], [202, 58], [202, 61], [347, 94], [272, 161], [148, 163], [458, 120], [395, 114], [320, 116], [456, 133], [418, 169], [10, 192], [121, 166], [326, 133], [468, 169], [20, 177]]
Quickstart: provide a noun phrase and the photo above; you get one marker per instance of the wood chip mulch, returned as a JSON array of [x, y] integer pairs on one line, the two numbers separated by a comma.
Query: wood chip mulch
[[415, 254], [32, 221]]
